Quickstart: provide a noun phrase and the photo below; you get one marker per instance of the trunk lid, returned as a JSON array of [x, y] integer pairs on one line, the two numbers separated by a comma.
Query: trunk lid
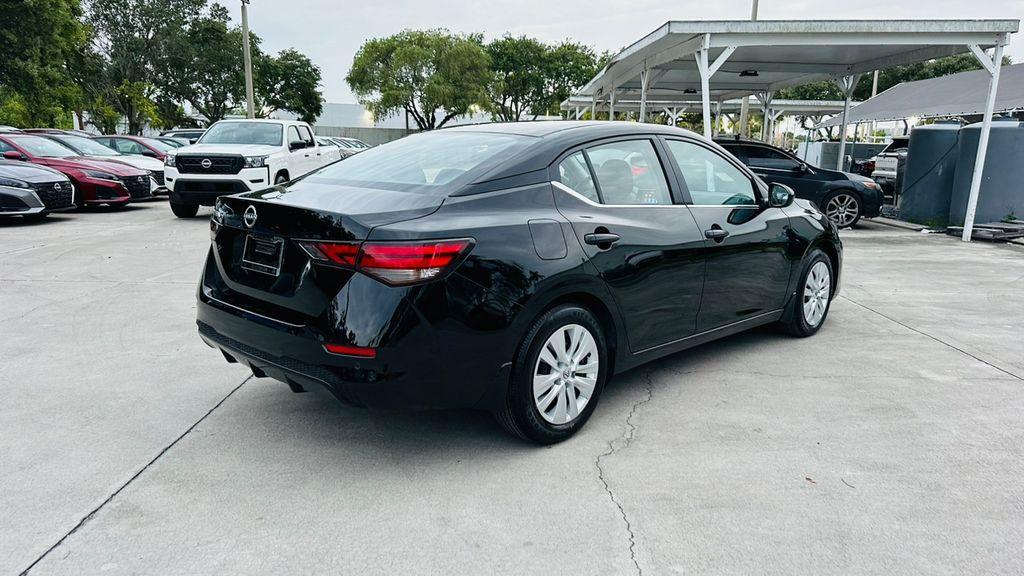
[[259, 261]]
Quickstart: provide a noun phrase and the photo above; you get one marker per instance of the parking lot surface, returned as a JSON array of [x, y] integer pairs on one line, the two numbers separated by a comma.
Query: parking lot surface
[[890, 443]]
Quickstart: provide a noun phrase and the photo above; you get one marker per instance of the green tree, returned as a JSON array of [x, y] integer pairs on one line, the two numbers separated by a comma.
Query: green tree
[[518, 67], [433, 75], [37, 37], [567, 67], [289, 82], [203, 67], [130, 38]]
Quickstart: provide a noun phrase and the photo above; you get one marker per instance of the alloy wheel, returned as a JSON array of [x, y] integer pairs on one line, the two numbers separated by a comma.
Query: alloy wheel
[[816, 293], [565, 375], [842, 209]]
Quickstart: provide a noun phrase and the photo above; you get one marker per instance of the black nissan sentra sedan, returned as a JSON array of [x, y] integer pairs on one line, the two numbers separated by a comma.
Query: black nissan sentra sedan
[[509, 267]]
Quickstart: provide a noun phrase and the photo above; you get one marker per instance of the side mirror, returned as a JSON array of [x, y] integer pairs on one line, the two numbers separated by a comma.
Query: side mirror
[[13, 155], [780, 195], [149, 153], [296, 145], [800, 168]]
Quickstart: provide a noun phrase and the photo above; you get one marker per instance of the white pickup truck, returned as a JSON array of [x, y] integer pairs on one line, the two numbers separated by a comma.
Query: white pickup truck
[[238, 156]]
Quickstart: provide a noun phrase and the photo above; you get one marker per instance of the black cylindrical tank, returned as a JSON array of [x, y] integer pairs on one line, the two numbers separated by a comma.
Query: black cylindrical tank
[[1002, 182], [930, 173]]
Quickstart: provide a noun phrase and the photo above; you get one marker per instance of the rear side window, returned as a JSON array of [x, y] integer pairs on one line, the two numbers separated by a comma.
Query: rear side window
[[574, 173], [424, 162], [629, 172], [710, 178]]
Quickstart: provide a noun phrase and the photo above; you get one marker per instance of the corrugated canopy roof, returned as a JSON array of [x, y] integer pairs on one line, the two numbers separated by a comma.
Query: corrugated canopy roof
[[960, 94]]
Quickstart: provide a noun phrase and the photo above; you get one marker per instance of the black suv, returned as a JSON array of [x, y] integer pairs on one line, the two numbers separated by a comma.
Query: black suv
[[845, 198]]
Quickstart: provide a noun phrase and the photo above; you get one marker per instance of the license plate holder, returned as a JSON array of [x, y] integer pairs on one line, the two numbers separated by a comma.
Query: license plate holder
[[263, 254]]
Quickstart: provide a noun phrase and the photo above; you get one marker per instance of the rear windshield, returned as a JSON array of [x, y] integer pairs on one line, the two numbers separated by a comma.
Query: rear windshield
[[268, 134], [423, 162], [157, 144]]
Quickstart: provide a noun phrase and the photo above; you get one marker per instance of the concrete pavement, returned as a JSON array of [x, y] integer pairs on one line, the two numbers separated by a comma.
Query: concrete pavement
[[890, 443]]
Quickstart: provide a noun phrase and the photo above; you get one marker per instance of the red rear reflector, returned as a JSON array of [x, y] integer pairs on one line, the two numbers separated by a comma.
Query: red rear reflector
[[350, 350]]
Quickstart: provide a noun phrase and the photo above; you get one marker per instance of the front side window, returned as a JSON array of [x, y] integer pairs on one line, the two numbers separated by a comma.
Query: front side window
[[126, 146], [710, 178], [86, 146], [265, 133], [574, 173], [293, 136], [629, 172], [307, 136]]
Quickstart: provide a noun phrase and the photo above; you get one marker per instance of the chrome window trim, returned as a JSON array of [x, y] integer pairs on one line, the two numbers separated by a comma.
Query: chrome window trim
[[586, 200]]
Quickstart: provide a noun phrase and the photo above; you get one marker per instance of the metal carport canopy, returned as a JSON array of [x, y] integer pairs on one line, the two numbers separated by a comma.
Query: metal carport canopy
[[726, 59], [960, 94]]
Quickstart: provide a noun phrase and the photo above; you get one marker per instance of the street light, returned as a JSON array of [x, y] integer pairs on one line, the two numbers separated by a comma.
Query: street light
[[250, 111]]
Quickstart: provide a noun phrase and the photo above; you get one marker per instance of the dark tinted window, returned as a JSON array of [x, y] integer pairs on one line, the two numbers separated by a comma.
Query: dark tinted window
[[629, 172], [765, 157], [574, 173]]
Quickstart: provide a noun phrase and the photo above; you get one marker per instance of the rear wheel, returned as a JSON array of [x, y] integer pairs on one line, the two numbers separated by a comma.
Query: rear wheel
[[184, 210], [843, 208], [558, 376], [811, 302]]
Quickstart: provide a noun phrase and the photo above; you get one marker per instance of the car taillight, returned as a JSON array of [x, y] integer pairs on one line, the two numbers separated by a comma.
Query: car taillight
[[394, 263]]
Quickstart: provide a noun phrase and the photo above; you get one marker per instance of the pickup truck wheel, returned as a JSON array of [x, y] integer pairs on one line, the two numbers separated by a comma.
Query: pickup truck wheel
[[184, 210], [281, 178], [843, 208]]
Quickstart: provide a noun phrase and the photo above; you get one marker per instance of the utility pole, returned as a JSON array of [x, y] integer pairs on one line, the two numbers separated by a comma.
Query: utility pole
[[745, 105], [250, 111]]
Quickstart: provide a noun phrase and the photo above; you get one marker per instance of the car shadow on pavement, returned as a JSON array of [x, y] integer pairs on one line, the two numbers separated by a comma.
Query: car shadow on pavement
[[318, 418]]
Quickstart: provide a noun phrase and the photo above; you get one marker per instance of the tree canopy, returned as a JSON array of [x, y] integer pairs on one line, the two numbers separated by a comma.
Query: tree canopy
[[432, 75]]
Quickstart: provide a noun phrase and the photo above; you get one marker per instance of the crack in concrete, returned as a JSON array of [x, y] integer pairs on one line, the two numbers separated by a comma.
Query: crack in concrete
[[936, 338], [617, 445], [114, 494]]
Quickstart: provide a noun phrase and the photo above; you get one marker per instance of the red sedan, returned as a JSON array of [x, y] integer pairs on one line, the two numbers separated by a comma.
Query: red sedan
[[95, 181], [137, 145]]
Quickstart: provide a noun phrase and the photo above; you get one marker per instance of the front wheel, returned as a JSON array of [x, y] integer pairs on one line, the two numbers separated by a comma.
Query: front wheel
[[810, 304], [558, 376], [184, 210], [843, 208]]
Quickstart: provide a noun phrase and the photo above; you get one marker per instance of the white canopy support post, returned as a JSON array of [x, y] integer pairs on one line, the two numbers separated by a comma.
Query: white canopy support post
[[775, 115], [993, 65], [576, 116], [765, 98], [611, 105], [645, 77], [717, 117], [706, 72], [847, 84], [593, 107]]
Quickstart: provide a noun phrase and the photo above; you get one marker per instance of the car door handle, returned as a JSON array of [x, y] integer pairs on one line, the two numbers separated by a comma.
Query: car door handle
[[716, 234], [598, 238]]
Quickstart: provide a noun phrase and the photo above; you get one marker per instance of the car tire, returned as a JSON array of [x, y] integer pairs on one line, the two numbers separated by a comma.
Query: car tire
[[281, 178], [184, 210], [810, 303], [843, 207], [546, 415]]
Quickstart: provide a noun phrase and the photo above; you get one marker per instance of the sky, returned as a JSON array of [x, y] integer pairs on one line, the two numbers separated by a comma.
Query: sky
[[331, 31]]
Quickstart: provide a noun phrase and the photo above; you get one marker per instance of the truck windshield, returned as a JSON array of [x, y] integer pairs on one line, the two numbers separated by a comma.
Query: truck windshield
[[267, 134]]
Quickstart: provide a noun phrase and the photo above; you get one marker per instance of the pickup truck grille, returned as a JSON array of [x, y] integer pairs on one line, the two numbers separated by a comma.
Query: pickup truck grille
[[54, 194], [209, 164], [137, 186]]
